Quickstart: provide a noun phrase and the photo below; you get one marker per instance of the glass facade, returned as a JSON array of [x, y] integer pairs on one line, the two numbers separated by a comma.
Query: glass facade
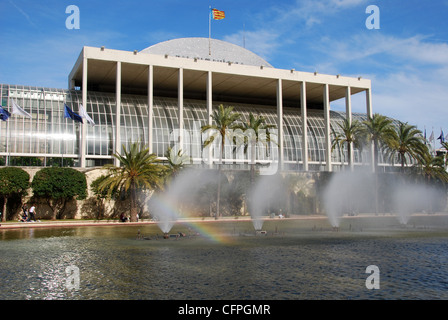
[[49, 135]]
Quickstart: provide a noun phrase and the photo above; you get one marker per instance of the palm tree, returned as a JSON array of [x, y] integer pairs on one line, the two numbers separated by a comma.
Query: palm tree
[[406, 142], [432, 168], [175, 162], [258, 132], [139, 170], [224, 119], [350, 133], [445, 157], [380, 130]]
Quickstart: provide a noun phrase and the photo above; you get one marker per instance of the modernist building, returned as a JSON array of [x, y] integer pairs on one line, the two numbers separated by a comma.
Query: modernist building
[[162, 95]]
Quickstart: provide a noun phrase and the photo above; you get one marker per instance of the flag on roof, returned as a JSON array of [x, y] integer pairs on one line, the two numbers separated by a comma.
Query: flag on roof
[[217, 14], [4, 114], [16, 109], [441, 137], [70, 114]]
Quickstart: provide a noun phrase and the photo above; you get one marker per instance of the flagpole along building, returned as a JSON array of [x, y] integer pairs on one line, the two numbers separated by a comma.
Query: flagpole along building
[[162, 95]]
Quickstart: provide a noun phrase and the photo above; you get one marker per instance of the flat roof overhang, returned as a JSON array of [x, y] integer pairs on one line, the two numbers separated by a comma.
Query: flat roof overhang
[[231, 82]]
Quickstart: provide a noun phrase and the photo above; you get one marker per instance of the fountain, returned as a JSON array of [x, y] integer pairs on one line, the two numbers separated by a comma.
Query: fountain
[[162, 207], [348, 192], [262, 197], [353, 192], [166, 206], [411, 198]]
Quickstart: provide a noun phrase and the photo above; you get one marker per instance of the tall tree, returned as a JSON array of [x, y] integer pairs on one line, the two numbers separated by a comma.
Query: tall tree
[[350, 133], [432, 168], [101, 195], [57, 186], [380, 131], [13, 181], [225, 119], [445, 156], [406, 142], [256, 131], [139, 170]]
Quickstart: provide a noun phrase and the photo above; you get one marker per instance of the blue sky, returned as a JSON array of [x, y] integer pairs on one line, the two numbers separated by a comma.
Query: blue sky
[[406, 59]]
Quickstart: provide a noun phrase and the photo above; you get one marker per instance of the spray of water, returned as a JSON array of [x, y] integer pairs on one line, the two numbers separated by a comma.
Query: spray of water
[[361, 192], [264, 196], [166, 206], [348, 193], [413, 198]]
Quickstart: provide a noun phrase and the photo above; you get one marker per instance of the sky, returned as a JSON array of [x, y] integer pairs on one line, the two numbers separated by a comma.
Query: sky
[[405, 55]]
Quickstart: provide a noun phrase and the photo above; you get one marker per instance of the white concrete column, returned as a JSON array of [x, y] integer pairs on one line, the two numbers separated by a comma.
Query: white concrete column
[[303, 105], [209, 111], [180, 97], [326, 95], [348, 115], [83, 145], [118, 114], [369, 103], [280, 123], [370, 115], [150, 108]]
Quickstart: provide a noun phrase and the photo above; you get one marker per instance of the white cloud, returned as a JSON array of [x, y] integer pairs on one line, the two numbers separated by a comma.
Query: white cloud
[[412, 98], [361, 46], [347, 3], [284, 24], [409, 75]]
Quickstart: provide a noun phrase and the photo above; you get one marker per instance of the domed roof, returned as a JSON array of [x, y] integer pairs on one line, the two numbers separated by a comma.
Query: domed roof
[[199, 48]]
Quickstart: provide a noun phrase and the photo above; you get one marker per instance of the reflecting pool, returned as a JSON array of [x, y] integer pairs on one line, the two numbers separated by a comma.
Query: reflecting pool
[[295, 259]]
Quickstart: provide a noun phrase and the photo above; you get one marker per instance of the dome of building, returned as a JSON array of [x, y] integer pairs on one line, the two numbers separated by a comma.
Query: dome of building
[[207, 49]]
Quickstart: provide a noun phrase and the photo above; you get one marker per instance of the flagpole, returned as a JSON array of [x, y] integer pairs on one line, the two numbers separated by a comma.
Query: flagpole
[[63, 138], [433, 144], [210, 31], [8, 137]]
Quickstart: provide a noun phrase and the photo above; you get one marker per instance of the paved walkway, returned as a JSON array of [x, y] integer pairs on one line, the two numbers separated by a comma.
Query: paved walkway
[[82, 223]]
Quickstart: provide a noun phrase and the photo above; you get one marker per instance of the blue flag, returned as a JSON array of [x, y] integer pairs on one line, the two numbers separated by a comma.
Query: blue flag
[[70, 114], [4, 114], [441, 138]]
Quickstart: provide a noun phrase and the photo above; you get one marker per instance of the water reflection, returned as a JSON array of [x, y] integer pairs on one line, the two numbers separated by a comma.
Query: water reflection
[[296, 264]]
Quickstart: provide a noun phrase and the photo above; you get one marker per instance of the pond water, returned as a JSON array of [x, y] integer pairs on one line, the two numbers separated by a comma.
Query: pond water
[[295, 260]]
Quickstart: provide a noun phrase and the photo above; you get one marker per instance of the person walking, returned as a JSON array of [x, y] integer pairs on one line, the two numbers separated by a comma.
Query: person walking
[[32, 213]]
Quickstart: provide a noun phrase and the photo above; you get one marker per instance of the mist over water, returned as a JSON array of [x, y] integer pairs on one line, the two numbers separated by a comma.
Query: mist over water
[[361, 192], [409, 199], [166, 206], [348, 193], [181, 195], [263, 196]]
